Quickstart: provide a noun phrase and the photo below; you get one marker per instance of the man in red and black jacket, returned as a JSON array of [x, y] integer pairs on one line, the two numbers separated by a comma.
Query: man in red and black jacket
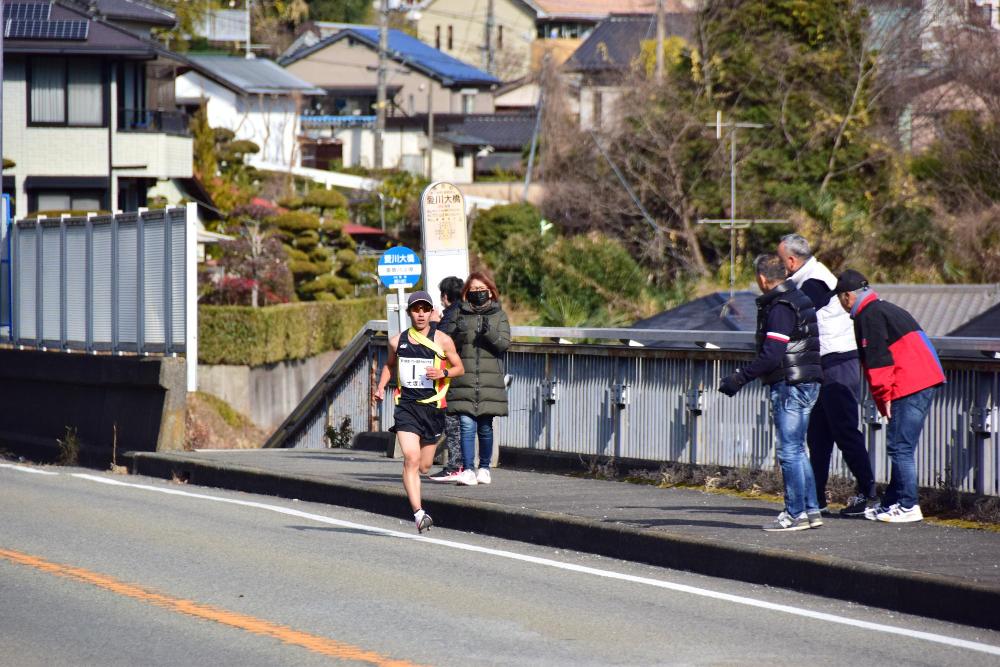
[[903, 370]]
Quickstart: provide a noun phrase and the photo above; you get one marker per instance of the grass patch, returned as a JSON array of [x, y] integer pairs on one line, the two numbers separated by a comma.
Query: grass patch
[[224, 410]]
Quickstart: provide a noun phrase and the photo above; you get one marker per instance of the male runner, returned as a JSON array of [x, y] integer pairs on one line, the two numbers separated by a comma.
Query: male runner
[[424, 359]]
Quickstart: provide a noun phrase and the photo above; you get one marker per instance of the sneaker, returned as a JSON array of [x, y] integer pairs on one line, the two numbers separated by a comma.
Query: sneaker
[[824, 510], [786, 521], [856, 505], [815, 518], [424, 523], [446, 476], [483, 476], [898, 514], [467, 478], [871, 513]]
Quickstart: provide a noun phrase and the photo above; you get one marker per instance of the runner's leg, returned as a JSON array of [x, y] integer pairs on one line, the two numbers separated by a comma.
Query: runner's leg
[[412, 463]]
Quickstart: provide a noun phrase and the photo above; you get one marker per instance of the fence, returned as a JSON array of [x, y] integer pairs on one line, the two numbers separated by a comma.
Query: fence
[[107, 283], [660, 404]]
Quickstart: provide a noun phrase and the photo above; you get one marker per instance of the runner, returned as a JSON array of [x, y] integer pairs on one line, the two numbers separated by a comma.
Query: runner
[[424, 360]]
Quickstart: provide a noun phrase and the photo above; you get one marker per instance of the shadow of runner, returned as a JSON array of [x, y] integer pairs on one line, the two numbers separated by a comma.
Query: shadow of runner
[[346, 531], [654, 523], [735, 511]]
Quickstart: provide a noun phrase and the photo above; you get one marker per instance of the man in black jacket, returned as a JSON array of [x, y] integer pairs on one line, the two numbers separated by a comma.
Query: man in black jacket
[[451, 297], [788, 361]]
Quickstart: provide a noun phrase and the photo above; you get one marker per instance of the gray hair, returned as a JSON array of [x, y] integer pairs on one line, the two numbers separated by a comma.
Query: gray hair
[[770, 266], [797, 246]]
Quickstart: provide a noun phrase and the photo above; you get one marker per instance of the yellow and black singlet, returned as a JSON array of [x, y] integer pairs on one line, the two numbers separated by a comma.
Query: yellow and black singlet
[[414, 354]]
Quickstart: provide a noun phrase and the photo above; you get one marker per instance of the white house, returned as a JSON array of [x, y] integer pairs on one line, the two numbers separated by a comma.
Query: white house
[[255, 98], [89, 116]]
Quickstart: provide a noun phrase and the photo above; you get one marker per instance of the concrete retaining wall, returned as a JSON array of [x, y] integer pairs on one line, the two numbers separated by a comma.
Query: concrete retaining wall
[[43, 393], [267, 394]]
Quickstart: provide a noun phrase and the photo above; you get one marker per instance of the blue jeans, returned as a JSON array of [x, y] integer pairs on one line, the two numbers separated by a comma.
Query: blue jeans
[[790, 408], [902, 434], [471, 427]]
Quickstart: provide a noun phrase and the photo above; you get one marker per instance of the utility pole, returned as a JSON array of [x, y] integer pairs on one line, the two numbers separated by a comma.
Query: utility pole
[[383, 48], [249, 53], [430, 131], [661, 30], [490, 51], [732, 223]]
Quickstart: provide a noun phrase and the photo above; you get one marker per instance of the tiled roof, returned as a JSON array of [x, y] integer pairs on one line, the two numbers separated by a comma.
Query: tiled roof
[[984, 325], [616, 41], [602, 8], [504, 131], [708, 313], [134, 10], [940, 309], [409, 51], [102, 38], [254, 75]]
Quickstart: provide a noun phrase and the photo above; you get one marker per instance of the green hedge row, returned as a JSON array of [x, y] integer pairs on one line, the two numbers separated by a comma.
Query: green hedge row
[[242, 335]]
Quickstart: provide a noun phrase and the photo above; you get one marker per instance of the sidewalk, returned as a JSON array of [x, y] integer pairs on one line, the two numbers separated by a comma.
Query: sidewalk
[[947, 573]]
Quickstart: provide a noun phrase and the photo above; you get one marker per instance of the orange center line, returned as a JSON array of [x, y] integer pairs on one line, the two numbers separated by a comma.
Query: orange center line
[[314, 643]]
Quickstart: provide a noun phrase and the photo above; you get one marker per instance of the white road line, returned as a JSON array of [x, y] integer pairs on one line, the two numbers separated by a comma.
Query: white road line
[[681, 588], [37, 471]]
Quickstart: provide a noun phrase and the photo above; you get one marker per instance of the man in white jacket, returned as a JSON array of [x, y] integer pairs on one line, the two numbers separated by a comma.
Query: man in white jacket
[[835, 415]]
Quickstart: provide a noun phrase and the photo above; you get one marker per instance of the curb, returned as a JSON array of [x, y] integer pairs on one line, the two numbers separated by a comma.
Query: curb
[[929, 595]]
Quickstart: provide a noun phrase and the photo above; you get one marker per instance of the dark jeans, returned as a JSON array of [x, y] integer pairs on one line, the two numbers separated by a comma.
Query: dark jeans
[[453, 441], [902, 434], [835, 419], [790, 407], [471, 427]]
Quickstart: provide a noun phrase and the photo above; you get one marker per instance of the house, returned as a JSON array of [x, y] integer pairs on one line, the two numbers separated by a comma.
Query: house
[[89, 115], [597, 69], [419, 78], [524, 31], [255, 98]]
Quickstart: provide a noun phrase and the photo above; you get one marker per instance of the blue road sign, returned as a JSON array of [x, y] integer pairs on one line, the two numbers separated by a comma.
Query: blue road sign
[[399, 267]]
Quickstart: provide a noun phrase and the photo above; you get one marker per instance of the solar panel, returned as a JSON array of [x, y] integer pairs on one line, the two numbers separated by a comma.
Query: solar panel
[[27, 11], [59, 29]]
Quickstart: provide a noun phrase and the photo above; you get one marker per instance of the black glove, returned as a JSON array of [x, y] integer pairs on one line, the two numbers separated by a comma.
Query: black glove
[[732, 383]]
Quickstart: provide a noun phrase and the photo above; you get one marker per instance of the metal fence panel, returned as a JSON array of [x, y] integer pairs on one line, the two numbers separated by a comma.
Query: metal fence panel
[[127, 282], [178, 238], [154, 304], [51, 292], [77, 270], [103, 283], [26, 283]]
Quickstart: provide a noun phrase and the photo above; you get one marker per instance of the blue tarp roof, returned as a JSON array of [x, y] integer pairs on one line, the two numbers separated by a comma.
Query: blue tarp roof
[[411, 51]]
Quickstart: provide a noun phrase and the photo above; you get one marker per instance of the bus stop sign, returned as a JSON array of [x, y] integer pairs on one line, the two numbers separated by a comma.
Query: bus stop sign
[[399, 267]]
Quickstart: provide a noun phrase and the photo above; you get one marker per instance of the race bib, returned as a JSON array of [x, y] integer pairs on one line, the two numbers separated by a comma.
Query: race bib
[[413, 373]]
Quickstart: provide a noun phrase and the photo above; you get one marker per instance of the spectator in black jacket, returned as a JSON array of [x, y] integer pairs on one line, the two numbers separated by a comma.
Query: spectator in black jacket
[[788, 361], [451, 297]]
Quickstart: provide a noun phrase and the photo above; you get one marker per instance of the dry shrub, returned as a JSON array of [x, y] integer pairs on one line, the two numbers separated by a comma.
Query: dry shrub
[[211, 423], [976, 243]]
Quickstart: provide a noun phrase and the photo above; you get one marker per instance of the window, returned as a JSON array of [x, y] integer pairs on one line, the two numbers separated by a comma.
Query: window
[[413, 104], [68, 200], [597, 111], [451, 34], [132, 111], [500, 37], [63, 95], [468, 103], [459, 158], [437, 37]]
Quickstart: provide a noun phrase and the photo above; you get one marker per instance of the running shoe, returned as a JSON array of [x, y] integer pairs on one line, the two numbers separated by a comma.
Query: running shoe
[[424, 523], [899, 514], [871, 513], [815, 518], [446, 476], [483, 476], [856, 505], [786, 521], [467, 478]]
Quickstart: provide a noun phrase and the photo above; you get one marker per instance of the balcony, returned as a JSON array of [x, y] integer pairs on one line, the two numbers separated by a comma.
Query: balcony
[[154, 121]]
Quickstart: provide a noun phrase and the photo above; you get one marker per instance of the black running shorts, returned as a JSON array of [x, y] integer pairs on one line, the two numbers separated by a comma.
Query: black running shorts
[[425, 420]]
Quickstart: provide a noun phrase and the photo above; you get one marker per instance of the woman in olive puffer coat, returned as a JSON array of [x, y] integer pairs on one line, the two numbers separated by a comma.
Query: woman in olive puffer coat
[[482, 336]]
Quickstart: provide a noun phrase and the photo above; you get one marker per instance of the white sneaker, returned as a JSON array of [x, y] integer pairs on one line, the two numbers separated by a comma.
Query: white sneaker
[[467, 478], [898, 514], [483, 476]]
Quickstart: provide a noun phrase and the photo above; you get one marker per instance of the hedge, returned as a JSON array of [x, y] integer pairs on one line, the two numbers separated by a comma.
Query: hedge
[[242, 335]]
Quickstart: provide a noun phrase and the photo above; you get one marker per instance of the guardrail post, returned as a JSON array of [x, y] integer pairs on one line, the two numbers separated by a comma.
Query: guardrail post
[[191, 295]]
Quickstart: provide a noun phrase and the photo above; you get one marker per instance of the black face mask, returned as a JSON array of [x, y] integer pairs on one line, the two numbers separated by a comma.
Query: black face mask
[[478, 299]]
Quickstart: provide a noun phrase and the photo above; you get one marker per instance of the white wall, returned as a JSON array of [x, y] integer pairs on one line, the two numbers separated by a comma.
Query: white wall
[[82, 151], [270, 121]]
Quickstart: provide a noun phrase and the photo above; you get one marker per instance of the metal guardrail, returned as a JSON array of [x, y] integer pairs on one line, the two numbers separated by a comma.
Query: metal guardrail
[[112, 283], [660, 403]]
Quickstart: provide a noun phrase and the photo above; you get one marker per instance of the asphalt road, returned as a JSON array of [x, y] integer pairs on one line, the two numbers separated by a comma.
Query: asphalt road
[[99, 569]]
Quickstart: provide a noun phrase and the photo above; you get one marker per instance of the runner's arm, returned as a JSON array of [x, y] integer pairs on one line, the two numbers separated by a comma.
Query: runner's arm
[[390, 363], [455, 367]]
